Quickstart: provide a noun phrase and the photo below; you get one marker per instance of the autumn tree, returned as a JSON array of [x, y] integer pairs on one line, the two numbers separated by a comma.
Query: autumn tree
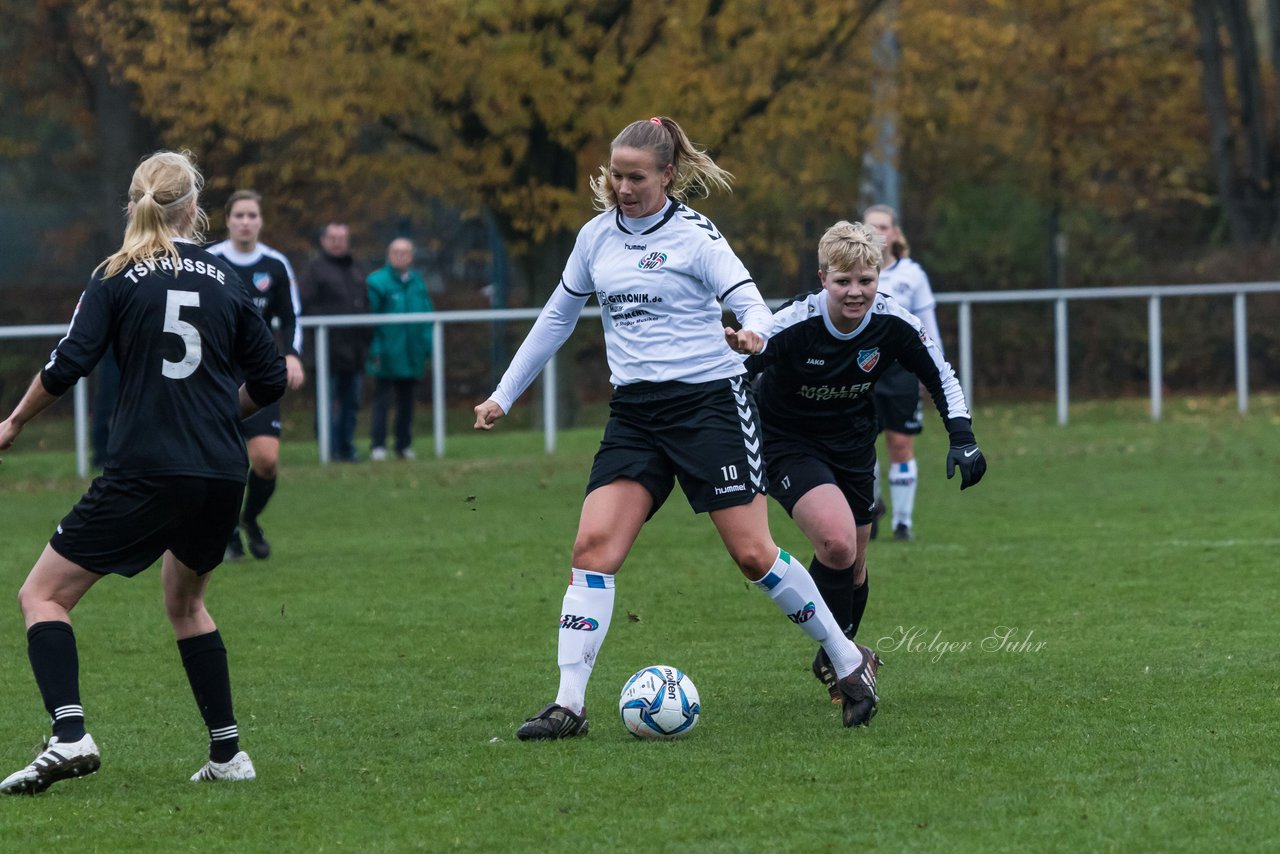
[[1240, 94], [375, 105], [1085, 107], [69, 136]]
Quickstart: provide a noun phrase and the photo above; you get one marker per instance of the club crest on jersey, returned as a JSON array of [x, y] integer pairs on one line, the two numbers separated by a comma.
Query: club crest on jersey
[[652, 261], [262, 281], [868, 359]]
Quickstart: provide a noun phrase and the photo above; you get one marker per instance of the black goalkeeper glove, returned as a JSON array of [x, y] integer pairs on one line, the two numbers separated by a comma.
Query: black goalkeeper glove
[[965, 453]]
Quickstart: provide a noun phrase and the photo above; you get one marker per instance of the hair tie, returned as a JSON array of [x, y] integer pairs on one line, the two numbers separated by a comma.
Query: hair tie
[[656, 120]]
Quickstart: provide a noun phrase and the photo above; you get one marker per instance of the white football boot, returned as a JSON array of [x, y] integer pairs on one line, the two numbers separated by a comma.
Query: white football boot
[[238, 767], [58, 761]]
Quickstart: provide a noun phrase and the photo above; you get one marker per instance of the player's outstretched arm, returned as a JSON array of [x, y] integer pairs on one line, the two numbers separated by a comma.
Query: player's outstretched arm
[[487, 414], [965, 455], [36, 400]]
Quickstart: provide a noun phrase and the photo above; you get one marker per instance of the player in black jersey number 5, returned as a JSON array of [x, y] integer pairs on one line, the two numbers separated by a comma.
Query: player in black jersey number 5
[[184, 330], [680, 411], [827, 350]]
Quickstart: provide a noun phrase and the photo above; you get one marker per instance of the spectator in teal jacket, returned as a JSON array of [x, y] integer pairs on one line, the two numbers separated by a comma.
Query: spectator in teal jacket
[[400, 350]]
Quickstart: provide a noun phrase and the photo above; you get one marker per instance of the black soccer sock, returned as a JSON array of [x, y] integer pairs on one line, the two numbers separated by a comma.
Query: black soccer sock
[[205, 660], [259, 493], [859, 605], [836, 587], [51, 646]]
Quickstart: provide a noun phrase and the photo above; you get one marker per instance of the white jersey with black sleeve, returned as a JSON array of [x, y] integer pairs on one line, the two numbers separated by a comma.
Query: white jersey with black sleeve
[[907, 282], [660, 282]]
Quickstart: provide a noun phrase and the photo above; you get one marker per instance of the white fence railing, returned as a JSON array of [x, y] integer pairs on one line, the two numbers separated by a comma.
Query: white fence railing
[[1153, 294]]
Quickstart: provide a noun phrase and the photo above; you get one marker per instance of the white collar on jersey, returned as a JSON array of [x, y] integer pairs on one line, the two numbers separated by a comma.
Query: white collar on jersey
[[242, 259], [824, 307], [644, 223]]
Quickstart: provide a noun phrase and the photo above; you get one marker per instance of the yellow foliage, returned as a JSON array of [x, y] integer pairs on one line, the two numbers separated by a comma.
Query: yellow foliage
[[510, 104]]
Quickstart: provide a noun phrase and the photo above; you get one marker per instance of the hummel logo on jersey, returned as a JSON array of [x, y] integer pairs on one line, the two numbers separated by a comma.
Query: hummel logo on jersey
[[640, 246], [867, 359], [818, 362], [804, 615], [652, 261], [582, 624], [262, 281]]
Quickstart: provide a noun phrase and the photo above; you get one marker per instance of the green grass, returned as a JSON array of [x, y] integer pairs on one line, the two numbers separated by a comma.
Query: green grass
[[384, 655]]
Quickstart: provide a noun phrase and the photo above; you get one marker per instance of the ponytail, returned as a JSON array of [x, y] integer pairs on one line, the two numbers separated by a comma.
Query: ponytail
[[163, 204], [695, 172]]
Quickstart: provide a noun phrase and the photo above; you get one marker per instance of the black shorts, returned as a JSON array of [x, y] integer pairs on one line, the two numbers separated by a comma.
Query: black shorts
[[264, 422], [706, 435], [901, 413], [122, 525], [796, 467]]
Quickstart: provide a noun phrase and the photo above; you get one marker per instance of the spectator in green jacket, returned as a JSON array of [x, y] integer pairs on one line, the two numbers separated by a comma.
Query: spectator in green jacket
[[400, 350]]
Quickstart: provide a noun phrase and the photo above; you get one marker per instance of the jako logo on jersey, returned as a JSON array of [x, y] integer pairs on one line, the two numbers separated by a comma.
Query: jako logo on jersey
[[582, 624], [652, 261], [804, 615], [867, 359], [818, 362], [262, 281]]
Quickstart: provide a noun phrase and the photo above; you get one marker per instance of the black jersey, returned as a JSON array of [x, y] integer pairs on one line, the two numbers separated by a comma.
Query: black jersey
[[182, 342], [273, 287], [815, 381]]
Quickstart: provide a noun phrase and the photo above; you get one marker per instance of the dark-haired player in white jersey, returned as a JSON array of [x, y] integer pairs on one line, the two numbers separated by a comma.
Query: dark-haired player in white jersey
[[680, 411], [827, 350], [185, 336], [897, 394], [274, 289]]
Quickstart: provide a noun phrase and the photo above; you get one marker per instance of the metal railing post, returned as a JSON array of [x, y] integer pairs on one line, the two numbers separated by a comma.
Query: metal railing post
[[1242, 354], [966, 351], [1154, 348], [437, 385], [81, 398], [1062, 378], [549, 404], [324, 410]]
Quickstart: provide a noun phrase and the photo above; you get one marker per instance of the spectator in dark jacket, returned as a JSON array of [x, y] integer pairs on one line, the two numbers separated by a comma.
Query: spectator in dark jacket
[[334, 284]]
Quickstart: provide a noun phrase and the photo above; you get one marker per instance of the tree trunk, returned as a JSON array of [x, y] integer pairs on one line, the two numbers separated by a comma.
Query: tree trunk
[[1221, 136]]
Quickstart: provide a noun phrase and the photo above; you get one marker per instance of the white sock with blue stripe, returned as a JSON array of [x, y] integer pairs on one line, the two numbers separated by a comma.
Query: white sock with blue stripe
[[584, 621], [902, 491], [791, 588]]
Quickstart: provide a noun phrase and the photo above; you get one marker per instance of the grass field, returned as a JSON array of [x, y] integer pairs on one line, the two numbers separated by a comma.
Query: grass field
[[405, 625]]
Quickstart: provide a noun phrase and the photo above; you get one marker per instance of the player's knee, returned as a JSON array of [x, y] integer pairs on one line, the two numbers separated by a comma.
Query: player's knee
[[25, 599], [265, 468], [594, 551], [837, 552], [754, 557], [181, 608]]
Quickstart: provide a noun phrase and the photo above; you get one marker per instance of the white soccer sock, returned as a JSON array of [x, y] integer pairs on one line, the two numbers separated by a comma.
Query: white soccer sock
[[902, 491], [791, 588], [584, 621]]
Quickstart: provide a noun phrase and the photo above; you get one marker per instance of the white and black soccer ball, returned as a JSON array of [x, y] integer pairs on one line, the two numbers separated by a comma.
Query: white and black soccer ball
[[659, 702]]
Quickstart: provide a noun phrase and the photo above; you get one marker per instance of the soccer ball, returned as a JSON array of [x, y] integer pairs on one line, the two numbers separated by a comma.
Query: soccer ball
[[659, 702]]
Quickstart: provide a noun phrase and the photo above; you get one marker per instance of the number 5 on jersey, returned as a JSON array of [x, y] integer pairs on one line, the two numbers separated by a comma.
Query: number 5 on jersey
[[189, 334]]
